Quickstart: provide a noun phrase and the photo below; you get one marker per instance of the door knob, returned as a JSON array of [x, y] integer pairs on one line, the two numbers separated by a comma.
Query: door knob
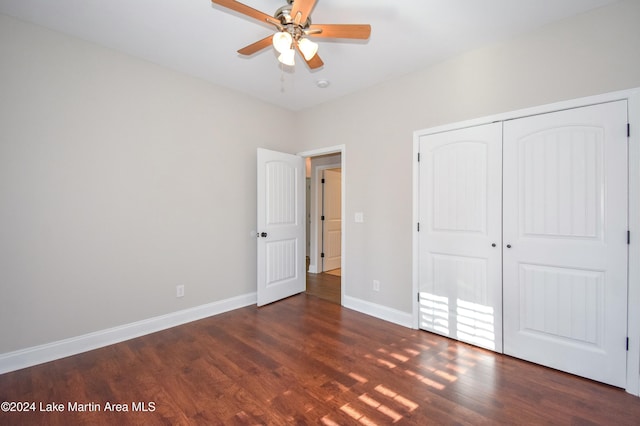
[[493, 245], [508, 245], [263, 234]]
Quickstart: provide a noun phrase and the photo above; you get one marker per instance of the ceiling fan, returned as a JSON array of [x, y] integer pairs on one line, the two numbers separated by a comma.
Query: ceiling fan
[[293, 23]]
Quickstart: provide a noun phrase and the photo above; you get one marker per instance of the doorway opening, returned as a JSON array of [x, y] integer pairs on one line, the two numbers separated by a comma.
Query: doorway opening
[[324, 217]]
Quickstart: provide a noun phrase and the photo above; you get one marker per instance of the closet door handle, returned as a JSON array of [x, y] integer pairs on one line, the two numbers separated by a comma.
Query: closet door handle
[[508, 245], [493, 245]]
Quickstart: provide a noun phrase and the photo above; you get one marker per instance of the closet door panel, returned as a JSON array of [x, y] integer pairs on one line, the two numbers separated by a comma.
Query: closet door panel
[[460, 208], [565, 244]]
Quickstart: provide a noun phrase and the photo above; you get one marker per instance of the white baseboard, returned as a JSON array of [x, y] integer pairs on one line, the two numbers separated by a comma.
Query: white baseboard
[[382, 312], [28, 357]]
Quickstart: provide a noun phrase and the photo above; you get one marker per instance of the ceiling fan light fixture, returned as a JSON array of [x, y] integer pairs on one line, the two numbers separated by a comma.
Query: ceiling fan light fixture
[[282, 41], [287, 57], [308, 48], [293, 23]]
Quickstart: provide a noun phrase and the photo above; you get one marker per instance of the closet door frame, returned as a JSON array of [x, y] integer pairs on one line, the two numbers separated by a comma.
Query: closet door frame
[[633, 317]]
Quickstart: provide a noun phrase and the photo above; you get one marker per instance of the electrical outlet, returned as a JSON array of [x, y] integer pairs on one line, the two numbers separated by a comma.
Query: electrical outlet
[[180, 290], [376, 285]]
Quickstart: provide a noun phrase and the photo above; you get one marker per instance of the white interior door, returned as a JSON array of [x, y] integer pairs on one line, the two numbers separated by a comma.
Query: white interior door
[[281, 226], [332, 223], [565, 240], [460, 235]]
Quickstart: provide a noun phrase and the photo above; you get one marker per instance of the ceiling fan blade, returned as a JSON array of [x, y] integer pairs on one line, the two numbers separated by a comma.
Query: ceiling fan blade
[[361, 32], [257, 46], [301, 10], [246, 10], [314, 62]]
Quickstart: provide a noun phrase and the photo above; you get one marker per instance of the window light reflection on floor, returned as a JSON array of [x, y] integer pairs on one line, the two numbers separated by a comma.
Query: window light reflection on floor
[[425, 380], [397, 356]]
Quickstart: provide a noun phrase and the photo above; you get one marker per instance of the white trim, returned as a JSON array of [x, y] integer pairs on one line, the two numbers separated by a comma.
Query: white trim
[[28, 357], [378, 311], [415, 234], [316, 211], [633, 311], [322, 151], [342, 150], [526, 112]]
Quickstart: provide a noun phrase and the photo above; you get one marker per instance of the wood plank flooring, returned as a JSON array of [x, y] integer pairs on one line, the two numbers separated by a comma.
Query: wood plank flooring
[[302, 361], [324, 286]]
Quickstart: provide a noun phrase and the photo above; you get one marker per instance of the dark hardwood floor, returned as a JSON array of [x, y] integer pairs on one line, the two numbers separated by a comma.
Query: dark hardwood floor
[[307, 361], [324, 286]]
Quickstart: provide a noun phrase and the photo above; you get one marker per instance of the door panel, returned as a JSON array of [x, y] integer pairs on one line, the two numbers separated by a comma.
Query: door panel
[[559, 303], [460, 236], [565, 254], [332, 224], [281, 228], [561, 181]]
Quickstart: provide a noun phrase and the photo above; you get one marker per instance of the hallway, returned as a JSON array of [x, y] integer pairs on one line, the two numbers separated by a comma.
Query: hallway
[[325, 286]]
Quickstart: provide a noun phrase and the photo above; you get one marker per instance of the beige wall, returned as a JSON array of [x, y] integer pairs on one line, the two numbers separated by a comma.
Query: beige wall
[[118, 180], [590, 54]]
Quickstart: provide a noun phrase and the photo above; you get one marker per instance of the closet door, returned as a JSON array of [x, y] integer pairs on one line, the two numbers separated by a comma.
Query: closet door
[[565, 240], [460, 259]]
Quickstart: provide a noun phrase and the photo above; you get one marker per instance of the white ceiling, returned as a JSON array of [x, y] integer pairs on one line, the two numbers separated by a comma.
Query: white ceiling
[[201, 39]]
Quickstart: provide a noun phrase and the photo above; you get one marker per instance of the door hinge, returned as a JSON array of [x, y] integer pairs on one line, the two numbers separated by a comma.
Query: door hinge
[[628, 130], [418, 226], [322, 181], [321, 254], [418, 297], [627, 343], [418, 157], [628, 237], [322, 217]]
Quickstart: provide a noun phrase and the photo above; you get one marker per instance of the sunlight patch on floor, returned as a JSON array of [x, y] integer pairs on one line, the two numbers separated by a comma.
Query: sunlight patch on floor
[[411, 352], [328, 422], [358, 378], [458, 369], [399, 357], [427, 381], [384, 362], [371, 402], [448, 377], [355, 414], [397, 397]]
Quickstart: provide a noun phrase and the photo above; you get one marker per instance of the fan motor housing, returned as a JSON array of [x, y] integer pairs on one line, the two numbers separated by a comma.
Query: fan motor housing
[[283, 15]]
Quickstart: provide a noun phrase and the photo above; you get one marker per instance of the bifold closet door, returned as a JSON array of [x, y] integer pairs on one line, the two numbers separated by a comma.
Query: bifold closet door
[[565, 240], [460, 236]]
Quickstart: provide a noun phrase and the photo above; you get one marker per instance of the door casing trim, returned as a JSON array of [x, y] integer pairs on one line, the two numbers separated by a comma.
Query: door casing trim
[[338, 149]]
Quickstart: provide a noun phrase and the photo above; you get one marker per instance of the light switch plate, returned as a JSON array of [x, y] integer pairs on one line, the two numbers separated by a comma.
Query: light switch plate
[[359, 217]]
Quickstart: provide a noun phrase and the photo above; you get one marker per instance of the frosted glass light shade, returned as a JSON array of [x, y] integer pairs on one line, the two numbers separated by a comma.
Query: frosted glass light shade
[[287, 57], [308, 48], [282, 41]]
